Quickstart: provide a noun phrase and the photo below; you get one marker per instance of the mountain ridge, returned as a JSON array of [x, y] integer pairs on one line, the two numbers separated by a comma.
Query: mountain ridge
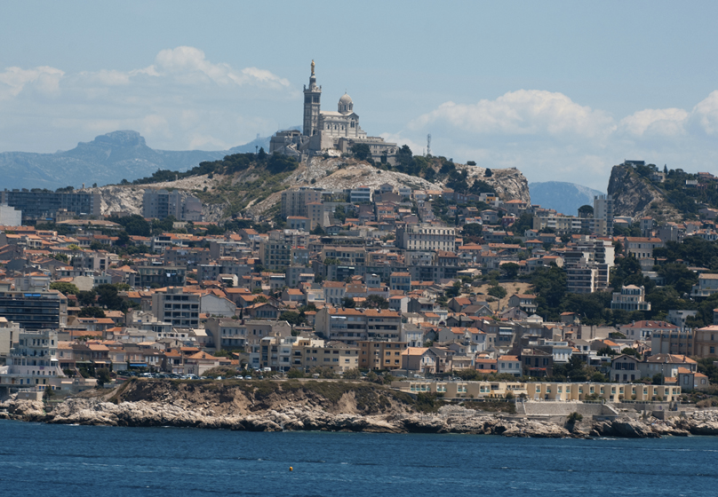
[[562, 196], [107, 159]]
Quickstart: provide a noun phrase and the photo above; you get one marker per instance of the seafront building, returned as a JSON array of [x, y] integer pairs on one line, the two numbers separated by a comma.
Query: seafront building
[[538, 391]]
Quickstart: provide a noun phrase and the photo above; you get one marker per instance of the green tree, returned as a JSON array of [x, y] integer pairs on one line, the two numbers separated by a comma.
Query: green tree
[[86, 298], [550, 287], [488, 173], [340, 214], [352, 374], [376, 301], [678, 276], [523, 223], [293, 318], [103, 376], [606, 351], [295, 373], [511, 269], [348, 302], [361, 151], [65, 288], [91, 312], [471, 230], [108, 297], [585, 211], [404, 156], [497, 291], [123, 239]]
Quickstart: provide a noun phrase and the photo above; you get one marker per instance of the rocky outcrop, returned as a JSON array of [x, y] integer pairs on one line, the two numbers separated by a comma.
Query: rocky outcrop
[[510, 184], [329, 173], [636, 197], [325, 407], [125, 199], [342, 173]]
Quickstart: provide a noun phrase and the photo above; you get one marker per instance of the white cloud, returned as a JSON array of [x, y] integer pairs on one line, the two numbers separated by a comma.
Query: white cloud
[[182, 100], [664, 122], [44, 79], [522, 112], [416, 147], [550, 137], [189, 65], [707, 113]]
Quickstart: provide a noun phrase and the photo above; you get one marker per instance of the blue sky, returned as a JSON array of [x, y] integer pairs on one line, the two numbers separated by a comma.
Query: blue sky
[[561, 90]]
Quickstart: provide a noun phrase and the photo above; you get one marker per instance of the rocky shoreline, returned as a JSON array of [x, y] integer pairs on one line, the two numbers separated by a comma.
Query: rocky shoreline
[[449, 419]]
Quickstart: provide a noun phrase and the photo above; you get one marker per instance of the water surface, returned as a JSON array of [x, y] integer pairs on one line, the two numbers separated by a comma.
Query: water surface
[[84, 461]]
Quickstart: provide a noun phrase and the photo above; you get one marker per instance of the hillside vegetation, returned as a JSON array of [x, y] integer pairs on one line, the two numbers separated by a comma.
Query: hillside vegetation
[[637, 192], [252, 183]]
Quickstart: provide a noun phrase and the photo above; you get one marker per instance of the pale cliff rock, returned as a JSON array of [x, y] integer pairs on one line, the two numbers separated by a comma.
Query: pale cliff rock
[[115, 199], [328, 173], [635, 196]]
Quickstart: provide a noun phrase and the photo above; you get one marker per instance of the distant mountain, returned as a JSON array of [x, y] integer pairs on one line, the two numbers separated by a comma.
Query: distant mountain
[[107, 159], [566, 198]]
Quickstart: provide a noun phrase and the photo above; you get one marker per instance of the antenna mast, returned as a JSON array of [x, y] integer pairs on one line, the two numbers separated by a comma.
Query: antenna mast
[[428, 144]]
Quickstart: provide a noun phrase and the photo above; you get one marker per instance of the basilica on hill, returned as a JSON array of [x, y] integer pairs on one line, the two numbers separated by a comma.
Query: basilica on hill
[[328, 132]]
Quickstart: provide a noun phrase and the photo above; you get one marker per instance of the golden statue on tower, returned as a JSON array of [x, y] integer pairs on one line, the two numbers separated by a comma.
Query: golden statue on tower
[[312, 67]]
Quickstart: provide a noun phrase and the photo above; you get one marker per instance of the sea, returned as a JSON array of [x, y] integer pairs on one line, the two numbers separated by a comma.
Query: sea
[[93, 461]]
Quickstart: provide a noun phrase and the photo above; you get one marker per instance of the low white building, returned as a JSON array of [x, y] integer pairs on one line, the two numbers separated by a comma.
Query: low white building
[[631, 298], [9, 216]]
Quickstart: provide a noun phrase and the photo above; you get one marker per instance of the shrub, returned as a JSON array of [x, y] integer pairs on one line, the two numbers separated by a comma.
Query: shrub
[[575, 417], [352, 374], [295, 373], [497, 291]]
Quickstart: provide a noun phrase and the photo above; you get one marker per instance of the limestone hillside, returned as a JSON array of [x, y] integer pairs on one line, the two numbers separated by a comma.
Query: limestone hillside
[[635, 196], [255, 190]]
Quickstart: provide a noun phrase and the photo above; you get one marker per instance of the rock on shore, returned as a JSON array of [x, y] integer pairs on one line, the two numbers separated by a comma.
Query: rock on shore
[[452, 419]]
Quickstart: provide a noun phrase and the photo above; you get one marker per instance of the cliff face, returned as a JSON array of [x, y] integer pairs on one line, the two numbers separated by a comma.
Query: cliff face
[[634, 196], [117, 199], [510, 184]]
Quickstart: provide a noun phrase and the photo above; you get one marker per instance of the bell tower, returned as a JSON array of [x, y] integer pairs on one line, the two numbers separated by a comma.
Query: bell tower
[[312, 97]]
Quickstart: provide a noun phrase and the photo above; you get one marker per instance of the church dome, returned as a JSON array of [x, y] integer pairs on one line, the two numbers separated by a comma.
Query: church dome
[[346, 104]]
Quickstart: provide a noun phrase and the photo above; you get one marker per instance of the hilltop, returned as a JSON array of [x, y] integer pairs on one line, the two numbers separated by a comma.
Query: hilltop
[[107, 159], [643, 190], [251, 184]]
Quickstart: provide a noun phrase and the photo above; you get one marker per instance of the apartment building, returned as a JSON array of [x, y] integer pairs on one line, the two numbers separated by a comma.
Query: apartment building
[[177, 307], [294, 202], [33, 306], [426, 237], [707, 285], [160, 204], [337, 356], [380, 355], [603, 211], [352, 326], [631, 298], [582, 278], [642, 247], [43, 205]]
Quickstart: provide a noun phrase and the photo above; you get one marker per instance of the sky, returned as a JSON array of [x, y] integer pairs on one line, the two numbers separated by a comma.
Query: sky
[[561, 90]]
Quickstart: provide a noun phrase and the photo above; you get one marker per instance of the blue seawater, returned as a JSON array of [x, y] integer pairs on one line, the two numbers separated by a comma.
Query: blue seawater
[[91, 461]]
